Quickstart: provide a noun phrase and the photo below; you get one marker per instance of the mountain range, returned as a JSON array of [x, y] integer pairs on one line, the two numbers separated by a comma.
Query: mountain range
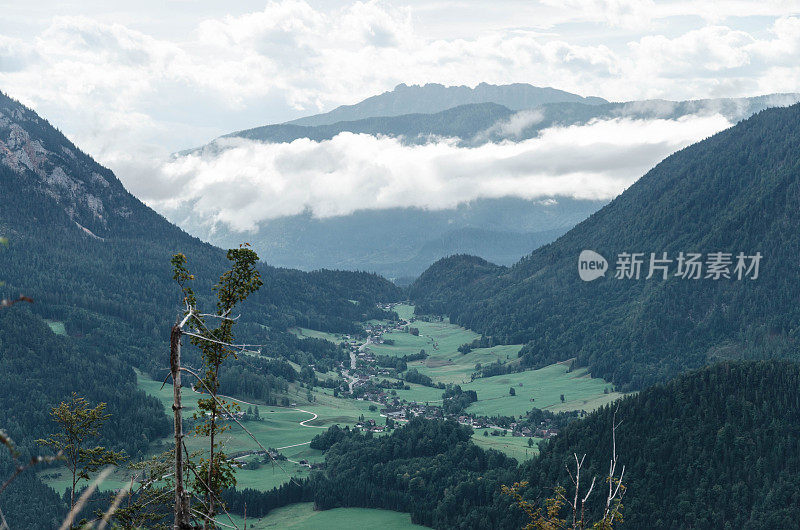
[[432, 98], [399, 243], [478, 123], [713, 448]]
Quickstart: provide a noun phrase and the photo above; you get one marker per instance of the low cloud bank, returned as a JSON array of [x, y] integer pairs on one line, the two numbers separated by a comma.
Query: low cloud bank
[[246, 182]]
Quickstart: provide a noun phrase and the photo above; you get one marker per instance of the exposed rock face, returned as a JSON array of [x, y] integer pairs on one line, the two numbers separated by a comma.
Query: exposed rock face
[[90, 194]]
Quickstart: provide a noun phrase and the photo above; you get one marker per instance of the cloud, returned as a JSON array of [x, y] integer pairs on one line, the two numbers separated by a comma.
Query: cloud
[[15, 54], [514, 126], [247, 182], [291, 58]]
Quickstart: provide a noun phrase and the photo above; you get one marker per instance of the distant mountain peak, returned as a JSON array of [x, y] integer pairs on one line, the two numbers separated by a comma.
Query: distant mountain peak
[[435, 97]]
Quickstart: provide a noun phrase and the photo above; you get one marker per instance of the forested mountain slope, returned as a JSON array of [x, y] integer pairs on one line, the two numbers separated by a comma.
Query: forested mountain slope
[[715, 448], [80, 241], [738, 191]]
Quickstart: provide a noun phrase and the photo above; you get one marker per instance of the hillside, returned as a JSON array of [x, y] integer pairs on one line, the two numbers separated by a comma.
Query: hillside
[[433, 97], [717, 448], [738, 191], [58, 201]]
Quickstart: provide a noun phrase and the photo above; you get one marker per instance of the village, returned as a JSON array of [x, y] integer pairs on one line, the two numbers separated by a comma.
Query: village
[[369, 381]]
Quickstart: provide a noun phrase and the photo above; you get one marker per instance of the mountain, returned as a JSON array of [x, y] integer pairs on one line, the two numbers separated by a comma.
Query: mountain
[[59, 203], [715, 448], [479, 123], [433, 97], [529, 123], [463, 121], [96, 262], [402, 242], [736, 192]]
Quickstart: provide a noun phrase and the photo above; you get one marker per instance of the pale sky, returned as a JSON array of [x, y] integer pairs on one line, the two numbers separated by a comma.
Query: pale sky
[[134, 81]]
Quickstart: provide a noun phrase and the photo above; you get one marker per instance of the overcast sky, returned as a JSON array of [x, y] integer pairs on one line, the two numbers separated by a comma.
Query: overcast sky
[[129, 81]]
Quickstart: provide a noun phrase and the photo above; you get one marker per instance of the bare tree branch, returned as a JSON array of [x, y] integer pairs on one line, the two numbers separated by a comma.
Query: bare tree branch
[[3, 522]]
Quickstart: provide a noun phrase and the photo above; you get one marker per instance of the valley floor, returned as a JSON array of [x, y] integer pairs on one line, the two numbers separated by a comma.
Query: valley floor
[[289, 430]]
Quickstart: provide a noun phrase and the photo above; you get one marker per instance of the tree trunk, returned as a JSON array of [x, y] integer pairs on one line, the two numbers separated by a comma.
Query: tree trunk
[[209, 523], [182, 520]]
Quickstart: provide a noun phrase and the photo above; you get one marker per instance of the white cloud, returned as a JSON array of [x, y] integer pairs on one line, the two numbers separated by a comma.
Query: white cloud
[[514, 126], [249, 181], [289, 58]]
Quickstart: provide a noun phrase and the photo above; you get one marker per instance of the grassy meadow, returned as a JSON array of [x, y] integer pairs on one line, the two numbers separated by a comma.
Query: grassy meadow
[[514, 446], [57, 327], [303, 517], [541, 389]]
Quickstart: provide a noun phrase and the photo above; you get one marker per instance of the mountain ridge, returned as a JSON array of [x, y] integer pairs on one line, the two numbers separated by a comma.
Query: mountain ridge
[[434, 97], [479, 123]]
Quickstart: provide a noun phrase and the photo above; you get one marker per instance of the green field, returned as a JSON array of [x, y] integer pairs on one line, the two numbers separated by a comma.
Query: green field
[[446, 364], [404, 311], [449, 367], [306, 333], [441, 340], [61, 480], [420, 394], [302, 516], [404, 344], [513, 446], [545, 386], [57, 327], [279, 428]]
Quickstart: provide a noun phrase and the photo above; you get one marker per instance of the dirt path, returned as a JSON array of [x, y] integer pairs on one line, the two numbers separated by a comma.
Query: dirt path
[[303, 423]]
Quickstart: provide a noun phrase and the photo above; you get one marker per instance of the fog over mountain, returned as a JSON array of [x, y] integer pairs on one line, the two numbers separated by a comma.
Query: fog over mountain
[[392, 193]]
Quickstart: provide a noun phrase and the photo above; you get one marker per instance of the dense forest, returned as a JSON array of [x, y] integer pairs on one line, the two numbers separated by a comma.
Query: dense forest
[[715, 448], [738, 191]]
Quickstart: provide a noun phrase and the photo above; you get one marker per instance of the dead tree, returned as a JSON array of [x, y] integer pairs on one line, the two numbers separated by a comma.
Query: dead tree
[[182, 514], [576, 505]]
